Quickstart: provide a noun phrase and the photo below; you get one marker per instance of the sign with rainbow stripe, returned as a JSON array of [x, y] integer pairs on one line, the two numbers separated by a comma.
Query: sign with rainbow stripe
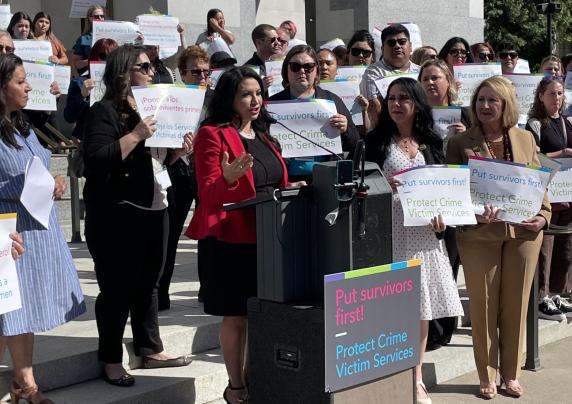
[[9, 287]]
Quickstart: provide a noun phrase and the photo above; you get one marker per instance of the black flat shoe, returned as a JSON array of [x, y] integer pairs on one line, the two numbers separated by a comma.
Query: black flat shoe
[[124, 381], [150, 363]]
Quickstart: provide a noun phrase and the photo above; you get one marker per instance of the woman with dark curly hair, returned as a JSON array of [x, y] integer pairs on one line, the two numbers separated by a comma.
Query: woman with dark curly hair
[[404, 138], [456, 51], [361, 48]]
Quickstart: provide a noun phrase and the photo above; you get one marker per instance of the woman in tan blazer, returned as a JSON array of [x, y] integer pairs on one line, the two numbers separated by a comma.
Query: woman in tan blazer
[[499, 258]]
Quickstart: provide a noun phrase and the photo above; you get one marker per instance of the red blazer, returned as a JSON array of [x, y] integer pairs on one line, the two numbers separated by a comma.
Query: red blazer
[[238, 226]]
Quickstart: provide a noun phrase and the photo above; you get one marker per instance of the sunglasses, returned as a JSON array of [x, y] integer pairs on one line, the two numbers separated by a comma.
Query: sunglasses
[[458, 52], [485, 55], [200, 72], [145, 67], [6, 49], [98, 16], [359, 52], [401, 41], [308, 67], [505, 55], [277, 39]]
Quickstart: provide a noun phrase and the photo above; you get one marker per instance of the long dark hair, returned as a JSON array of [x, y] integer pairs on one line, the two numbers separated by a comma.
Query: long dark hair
[[117, 77], [449, 44], [20, 15], [10, 123], [422, 132], [211, 14], [42, 14], [363, 35], [220, 111]]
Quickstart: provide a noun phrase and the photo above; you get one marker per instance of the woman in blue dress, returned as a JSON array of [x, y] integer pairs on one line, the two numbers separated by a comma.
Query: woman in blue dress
[[49, 286]]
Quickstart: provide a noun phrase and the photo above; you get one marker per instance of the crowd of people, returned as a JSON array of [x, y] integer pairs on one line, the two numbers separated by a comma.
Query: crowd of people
[[134, 215]]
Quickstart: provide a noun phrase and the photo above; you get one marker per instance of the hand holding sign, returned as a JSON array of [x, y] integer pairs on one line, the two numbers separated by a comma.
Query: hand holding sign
[[17, 245], [145, 128]]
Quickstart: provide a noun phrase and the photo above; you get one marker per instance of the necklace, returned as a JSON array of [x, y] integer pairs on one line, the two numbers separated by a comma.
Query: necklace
[[404, 143], [247, 135], [507, 155]]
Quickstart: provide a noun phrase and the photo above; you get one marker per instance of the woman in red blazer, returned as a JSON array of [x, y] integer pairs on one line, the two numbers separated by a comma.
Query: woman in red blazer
[[236, 159]]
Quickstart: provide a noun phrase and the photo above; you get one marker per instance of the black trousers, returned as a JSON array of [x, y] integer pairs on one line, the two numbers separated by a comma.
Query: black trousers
[[128, 248]]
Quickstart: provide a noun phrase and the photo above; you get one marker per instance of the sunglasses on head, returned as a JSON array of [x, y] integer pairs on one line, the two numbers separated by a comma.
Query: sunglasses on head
[[308, 67], [145, 67], [505, 55], [457, 52], [6, 49], [401, 41], [200, 72], [359, 52], [485, 55]]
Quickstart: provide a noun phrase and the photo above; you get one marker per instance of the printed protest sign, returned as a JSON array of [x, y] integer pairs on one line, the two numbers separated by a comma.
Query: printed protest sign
[[560, 187], [219, 45], [470, 76], [445, 117], [516, 189], [429, 191], [274, 70], [9, 286], [121, 32], [176, 108], [79, 7], [160, 30], [371, 323], [351, 73], [383, 83], [414, 33], [40, 76], [310, 119], [34, 51], [525, 86], [63, 76], [5, 16], [522, 67], [96, 70], [347, 90], [376, 34]]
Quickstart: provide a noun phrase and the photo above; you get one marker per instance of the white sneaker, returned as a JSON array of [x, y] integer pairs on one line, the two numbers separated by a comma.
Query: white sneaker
[[548, 310], [563, 305]]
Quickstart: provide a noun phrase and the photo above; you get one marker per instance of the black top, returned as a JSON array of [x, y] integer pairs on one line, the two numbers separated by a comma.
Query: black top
[[552, 137], [256, 61], [162, 74], [266, 170], [111, 179]]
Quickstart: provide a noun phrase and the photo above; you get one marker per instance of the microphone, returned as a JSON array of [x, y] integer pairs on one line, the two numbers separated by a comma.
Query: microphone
[[273, 121]]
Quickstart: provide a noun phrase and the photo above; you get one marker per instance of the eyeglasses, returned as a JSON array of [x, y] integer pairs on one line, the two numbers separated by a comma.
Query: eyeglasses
[[505, 55], [359, 52], [485, 55], [401, 41], [6, 49], [400, 99], [145, 67], [458, 52], [200, 72], [308, 67], [98, 16]]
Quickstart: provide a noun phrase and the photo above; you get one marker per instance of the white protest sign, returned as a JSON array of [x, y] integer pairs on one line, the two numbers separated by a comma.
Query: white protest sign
[[522, 67], [38, 190], [215, 75], [9, 285], [177, 109], [414, 33], [553, 164], [445, 117], [5, 16], [333, 44], [309, 118], [160, 30], [376, 34], [383, 83], [568, 82], [40, 76], [432, 190], [79, 8], [35, 51], [121, 32], [347, 90], [351, 72], [560, 188], [516, 189], [96, 71], [274, 70], [525, 86], [470, 75], [218, 45], [63, 76]]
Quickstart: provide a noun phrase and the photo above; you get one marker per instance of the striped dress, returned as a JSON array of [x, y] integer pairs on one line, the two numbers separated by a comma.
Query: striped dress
[[49, 286]]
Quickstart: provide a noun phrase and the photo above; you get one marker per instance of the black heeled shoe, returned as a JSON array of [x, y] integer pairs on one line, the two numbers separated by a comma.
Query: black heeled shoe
[[243, 400]]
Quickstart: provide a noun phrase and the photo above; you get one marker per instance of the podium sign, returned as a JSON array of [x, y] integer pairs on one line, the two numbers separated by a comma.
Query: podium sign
[[371, 323]]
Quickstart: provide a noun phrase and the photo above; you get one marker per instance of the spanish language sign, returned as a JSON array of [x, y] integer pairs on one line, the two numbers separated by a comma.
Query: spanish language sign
[[515, 188], [470, 76], [347, 90], [525, 86], [383, 83], [176, 107], [160, 30], [432, 190], [34, 51], [121, 32], [371, 323], [79, 7], [444, 117], [40, 75], [96, 71], [560, 188], [274, 70], [9, 287], [310, 119]]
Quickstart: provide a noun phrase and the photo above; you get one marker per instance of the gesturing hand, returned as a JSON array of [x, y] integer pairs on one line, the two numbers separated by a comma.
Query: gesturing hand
[[240, 165]]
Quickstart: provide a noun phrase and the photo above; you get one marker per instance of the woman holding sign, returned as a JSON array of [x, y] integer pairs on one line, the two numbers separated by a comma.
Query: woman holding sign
[[49, 288], [43, 32], [126, 219], [499, 258], [82, 46], [405, 138]]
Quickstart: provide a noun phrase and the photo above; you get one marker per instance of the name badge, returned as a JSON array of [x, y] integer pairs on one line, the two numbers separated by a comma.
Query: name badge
[[163, 179]]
